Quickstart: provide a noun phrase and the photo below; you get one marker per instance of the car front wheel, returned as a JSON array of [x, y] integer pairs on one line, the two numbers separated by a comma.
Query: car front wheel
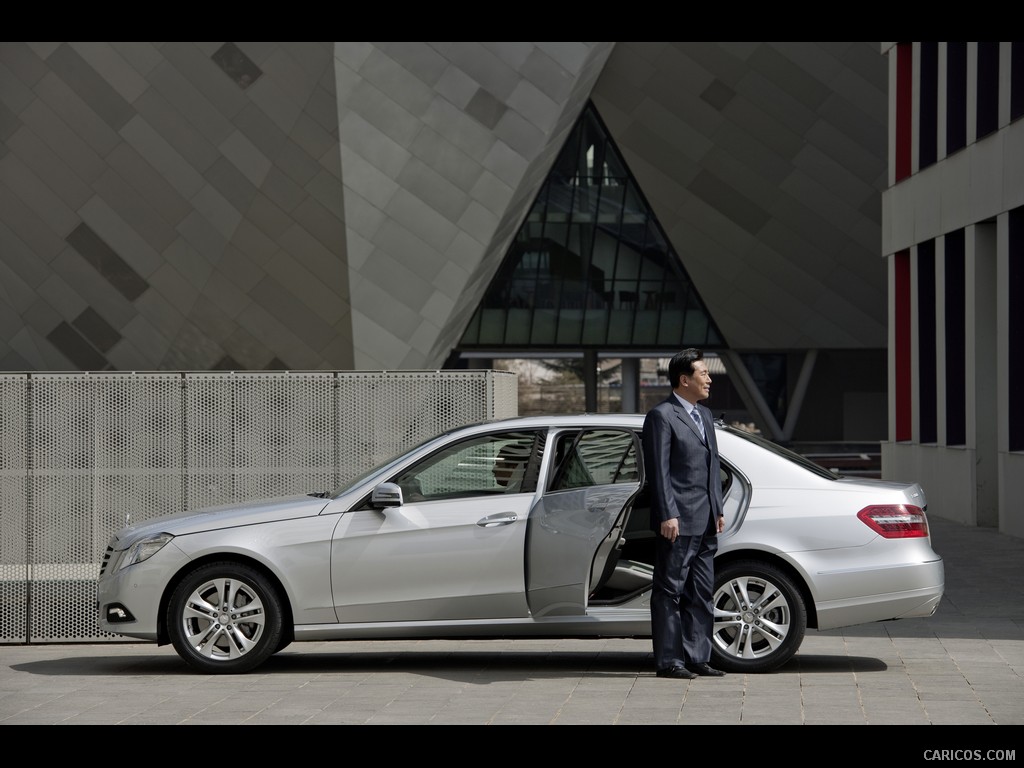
[[760, 617], [225, 618]]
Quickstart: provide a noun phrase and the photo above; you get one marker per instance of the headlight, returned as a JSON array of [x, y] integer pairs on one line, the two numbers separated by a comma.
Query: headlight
[[143, 549]]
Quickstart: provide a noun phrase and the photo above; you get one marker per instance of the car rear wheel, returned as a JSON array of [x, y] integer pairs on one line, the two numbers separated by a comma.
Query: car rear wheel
[[225, 618], [760, 617]]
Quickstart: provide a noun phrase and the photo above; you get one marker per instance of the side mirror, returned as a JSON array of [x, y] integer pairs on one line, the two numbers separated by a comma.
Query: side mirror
[[386, 495]]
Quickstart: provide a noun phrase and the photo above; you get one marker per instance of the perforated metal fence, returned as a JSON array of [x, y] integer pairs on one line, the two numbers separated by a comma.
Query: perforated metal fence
[[79, 452]]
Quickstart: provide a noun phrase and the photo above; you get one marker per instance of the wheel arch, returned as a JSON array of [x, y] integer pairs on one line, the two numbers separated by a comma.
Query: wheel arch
[[782, 564], [287, 620]]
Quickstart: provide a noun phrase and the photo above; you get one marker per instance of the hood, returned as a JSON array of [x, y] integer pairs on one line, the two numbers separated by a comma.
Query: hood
[[223, 516]]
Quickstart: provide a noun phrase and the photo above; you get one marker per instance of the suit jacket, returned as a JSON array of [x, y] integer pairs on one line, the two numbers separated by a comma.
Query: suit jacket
[[683, 473]]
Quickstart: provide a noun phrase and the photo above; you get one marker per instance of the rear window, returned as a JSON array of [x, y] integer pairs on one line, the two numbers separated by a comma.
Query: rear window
[[785, 453]]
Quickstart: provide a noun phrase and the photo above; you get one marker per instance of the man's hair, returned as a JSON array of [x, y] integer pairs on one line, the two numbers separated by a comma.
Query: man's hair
[[682, 365]]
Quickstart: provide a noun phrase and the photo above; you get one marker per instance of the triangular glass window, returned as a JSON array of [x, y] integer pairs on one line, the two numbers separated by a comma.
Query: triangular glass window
[[590, 266]]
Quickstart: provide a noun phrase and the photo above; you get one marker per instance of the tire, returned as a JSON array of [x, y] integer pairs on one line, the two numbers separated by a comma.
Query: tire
[[225, 618], [760, 617]]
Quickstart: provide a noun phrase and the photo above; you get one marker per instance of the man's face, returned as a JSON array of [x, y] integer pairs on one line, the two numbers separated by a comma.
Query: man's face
[[696, 386]]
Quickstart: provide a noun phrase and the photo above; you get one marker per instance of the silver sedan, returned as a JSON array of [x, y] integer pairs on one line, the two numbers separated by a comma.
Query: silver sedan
[[528, 527]]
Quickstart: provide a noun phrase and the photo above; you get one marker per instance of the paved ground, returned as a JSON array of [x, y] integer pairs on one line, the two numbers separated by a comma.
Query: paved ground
[[962, 667]]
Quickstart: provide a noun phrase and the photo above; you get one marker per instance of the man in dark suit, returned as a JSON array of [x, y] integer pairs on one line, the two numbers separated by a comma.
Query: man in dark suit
[[683, 475]]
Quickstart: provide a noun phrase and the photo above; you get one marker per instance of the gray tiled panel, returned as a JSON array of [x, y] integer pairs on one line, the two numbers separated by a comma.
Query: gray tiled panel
[[322, 108], [174, 287], [75, 348], [14, 94], [282, 191], [152, 186], [764, 107], [866, 60], [253, 164], [191, 103], [253, 242], [383, 113], [524, 137], [404, 246], [281, 341], [165, 158], [460, 129], [33, 192], [191, 350], [571, 56], [818, 61], [260, 130], [379, 308], [225, 177], [541, 70], [127, 356], [352, 54], [203, 236], [241, 269], [90, 86], [728, 201], [417, 57], [321, 297], [93, 287], [77, 114], [482, 65], [208, 317], [820, 198], [297, 163], [9, 123], [199, 69], [109, 224], [398, 83], [96, 330], [514, 54], [478, 222], [363, 218], [638, 138], [825, 169], [330, 161], [438, 307], [372, 184], [62, 297], [115, 70], [505, 163], [420, 219], [856, 159], [312, 136], [270, 219], [15, 293], [273, 99], [43, 50], [63, 141], [717, 58], [325, 261], [38, 353], [292, 78], [400, 283], [247, 350], [492, 193], [457, 87], [134, 212], [22, 62], [867, 97], [851, 121], [106, 261], [675, 135], [449, 282], [224, 291], [822, 234], [485, 108], [799, 83], [143, 56], [164, 316], [323, 224], [436, 191], [313, 57], [189, 262], [751, 154], [179, 134], [326, 189], [25, 241]]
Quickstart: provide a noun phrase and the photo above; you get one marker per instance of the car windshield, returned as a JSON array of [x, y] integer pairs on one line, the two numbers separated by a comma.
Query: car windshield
[[777, 449]]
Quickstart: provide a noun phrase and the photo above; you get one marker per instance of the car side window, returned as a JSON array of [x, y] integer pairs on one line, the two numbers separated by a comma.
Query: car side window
[[595, 457], [484, 465]]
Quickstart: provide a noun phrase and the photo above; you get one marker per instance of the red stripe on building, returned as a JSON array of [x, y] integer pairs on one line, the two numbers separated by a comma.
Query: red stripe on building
[[901, 315]]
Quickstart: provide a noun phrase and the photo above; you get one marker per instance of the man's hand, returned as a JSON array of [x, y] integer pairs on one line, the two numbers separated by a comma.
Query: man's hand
[[721, 523], [670, 528]]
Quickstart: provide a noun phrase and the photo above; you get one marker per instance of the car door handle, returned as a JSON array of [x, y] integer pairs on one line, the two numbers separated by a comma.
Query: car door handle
[[502, 518]]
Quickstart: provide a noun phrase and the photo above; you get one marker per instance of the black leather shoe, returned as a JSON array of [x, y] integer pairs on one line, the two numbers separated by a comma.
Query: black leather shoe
[[704, 670], [680, 673]]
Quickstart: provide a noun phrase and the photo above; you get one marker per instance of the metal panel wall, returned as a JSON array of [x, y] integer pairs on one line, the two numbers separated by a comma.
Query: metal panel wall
[[80, 453]]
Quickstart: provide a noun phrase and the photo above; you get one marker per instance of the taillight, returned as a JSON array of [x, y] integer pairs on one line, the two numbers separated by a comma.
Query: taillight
[[895, 521]]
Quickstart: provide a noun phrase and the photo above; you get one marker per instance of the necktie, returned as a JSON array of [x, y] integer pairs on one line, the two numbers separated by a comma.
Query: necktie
[[700, 423]]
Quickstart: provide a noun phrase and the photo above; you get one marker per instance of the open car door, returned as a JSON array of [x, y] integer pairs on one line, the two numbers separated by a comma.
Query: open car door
[[575, 530]]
